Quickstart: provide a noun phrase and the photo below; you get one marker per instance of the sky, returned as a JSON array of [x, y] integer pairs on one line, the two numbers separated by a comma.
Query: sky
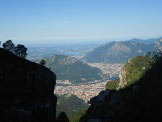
[[48, 21]]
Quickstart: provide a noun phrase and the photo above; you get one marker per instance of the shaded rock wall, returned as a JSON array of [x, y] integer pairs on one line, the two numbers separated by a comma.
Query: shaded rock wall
[[26, 90]]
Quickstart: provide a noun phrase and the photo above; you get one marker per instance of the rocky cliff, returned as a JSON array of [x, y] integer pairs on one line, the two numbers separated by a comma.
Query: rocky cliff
[[26, 90], [133, 70], [136, 102]]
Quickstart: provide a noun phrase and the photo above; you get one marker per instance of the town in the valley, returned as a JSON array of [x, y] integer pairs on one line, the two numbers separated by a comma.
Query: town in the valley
[[88, 90]]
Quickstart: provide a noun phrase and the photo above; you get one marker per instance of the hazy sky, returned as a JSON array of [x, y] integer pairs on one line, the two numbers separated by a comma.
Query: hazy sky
[[75, 20]]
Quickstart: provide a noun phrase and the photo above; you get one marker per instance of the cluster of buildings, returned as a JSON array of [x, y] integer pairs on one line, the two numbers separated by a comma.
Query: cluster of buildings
[[84, 91], [110, 69], [88, 90]]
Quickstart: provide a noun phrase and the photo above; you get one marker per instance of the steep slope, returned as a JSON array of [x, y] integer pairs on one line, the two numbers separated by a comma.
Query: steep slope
[[76, 115], [26, 90], [137, 102], [69, 68], [70, 104], [133, 70], [120, 52]]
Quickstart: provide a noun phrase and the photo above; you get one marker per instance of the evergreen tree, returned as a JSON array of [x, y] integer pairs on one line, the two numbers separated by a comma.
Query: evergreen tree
[[21, 51], [42, 62], [8, 45]]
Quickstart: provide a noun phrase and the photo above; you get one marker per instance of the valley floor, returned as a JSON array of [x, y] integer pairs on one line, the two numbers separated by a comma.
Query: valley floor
[[88, 90], [110, 69], [84, 91]]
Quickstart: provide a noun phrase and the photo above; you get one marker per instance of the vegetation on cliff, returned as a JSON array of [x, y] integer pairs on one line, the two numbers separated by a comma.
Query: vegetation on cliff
[[137, 101], [136, 68], [132, 71], [19, 50], [112, 85]]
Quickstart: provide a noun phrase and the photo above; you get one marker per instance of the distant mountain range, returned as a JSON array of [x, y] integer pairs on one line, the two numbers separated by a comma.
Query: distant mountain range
[[69, 68], [120, 52], [147, 41]]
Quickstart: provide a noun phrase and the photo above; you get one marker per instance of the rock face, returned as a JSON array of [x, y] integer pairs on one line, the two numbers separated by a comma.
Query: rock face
[[26, 90], [122, 78], [133, 70], [158, 44], [137, 102]]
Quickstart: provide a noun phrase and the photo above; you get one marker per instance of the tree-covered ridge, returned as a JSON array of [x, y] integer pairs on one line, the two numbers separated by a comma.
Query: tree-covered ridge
[[112, 85], [120, 52], [139, 100], [19, 50], [136, 68], [70, 104], [132, 71], [69, 68]]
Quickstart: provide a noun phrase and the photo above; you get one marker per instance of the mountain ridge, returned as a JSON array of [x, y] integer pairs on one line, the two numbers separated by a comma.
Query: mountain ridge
[[74, 70], [136, 102], [120, 52]]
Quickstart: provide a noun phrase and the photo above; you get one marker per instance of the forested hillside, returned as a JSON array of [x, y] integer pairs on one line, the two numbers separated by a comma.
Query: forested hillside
[[69, 68], [70, 104]]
